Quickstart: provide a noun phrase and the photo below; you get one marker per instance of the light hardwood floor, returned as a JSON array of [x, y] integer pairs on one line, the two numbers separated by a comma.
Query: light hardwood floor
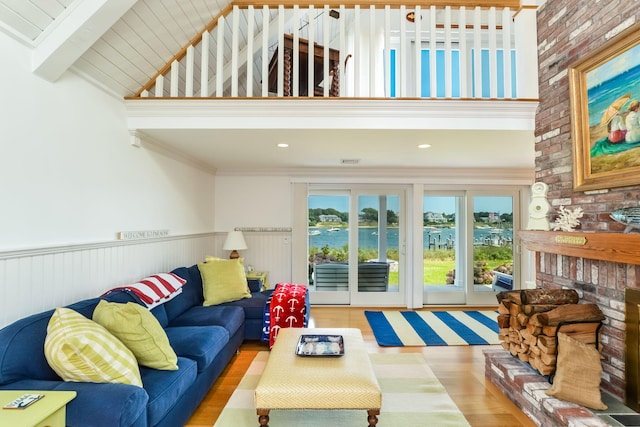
[[459, 368]]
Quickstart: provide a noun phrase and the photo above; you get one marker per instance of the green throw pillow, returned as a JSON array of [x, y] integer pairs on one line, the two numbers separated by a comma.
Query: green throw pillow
[[140, 331], [223, 280], [78, 349]]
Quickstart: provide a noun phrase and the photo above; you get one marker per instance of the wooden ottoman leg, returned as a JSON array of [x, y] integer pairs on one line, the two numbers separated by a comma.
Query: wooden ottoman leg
[[372, 417], [263, 417]]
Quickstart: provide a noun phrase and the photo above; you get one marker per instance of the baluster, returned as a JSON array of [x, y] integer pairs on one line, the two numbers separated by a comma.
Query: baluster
[[159, 87], [357, 73], [506, 47], [373, 46], [265, 51], [417, 53], [448, 90], [493, 61], [325, 62], [433, 47], [387, 51], [188, 83], [235, 24], [220, 57], [175, 75], [250, 35], [204, 65], [477, 52], [343, 49], [464, 73], [310, 57], [401, 60], [296, 51], [281, 49]]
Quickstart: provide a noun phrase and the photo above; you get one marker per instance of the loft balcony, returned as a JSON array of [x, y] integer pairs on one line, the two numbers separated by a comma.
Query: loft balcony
[[374, 51], [259, 71]]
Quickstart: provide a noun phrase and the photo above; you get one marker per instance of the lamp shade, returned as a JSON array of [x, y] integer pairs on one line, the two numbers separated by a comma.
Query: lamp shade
[[234, 242]]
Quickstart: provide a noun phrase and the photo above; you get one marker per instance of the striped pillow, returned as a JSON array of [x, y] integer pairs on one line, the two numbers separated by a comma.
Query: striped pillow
[[79, 349], [157, 289]]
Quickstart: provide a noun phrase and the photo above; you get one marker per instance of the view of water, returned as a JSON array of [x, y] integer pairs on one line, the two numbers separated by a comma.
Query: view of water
[[368, 237], [601, 96]]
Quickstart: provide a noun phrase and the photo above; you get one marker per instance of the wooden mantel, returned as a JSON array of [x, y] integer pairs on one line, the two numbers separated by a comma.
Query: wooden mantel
[[614, 247]]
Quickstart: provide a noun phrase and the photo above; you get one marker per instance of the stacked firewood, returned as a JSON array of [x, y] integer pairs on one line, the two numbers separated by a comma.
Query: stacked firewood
[[529, 321]]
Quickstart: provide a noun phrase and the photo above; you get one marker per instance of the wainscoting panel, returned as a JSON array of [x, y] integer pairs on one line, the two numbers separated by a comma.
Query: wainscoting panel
[[35, 280], [268, 251]]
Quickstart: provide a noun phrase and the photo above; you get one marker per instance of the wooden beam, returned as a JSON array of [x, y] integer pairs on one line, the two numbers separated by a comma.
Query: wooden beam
[[614, 247]]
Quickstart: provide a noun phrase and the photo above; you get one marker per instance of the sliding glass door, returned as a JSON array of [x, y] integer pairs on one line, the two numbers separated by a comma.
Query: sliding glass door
[[355, 240], [443, 231], [468, 245], [379, 247], [492, 252], [328, 243]]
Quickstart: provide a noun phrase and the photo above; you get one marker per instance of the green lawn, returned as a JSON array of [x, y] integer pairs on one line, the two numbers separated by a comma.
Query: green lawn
[[435, 271]]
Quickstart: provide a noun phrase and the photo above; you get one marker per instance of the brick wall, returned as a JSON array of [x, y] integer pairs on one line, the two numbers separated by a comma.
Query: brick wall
[[567, 31]]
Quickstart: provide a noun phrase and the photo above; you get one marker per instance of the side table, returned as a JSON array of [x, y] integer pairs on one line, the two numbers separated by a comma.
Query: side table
[[50, 411], [258, 280]]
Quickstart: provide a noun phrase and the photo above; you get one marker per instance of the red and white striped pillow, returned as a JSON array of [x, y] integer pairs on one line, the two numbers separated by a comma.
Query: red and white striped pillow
[[157, 289]]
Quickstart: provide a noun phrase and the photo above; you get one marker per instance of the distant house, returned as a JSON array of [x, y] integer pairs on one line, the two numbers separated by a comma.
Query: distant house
[[494, 217], [329, 218], [434, 217]]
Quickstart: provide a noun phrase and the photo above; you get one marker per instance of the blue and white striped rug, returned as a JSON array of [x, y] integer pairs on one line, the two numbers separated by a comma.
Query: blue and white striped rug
[[431, 328]]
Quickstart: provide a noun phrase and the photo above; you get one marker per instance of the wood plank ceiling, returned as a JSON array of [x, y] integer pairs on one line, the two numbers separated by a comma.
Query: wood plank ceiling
[[130, 52]]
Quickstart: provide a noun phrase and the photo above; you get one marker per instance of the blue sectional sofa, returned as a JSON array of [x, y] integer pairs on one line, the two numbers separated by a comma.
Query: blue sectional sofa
[[205, 339]]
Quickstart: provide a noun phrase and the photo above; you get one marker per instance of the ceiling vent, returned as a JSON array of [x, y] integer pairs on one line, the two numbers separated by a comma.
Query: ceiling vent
[[350, 161]]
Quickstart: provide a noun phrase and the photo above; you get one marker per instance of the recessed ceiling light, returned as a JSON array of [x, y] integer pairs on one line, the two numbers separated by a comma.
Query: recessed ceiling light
[[424, 145], [283, 145]]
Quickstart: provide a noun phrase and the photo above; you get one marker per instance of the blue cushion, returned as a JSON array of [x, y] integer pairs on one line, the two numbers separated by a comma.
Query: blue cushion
[[161, 314], [253, 307], [86, 307], [191, 292], [230, 318], [113, 404], [166, 387], [199, 343], [21, 350]]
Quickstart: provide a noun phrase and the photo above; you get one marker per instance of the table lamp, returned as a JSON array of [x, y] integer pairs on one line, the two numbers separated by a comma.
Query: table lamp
[[234, 243]]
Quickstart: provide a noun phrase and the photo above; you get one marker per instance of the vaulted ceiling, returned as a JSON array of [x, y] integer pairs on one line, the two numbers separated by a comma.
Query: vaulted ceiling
[[118, 44], [121, 44]]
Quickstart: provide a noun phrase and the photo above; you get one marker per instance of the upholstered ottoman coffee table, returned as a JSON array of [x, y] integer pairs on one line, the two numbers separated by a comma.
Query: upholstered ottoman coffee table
[[292, 381]]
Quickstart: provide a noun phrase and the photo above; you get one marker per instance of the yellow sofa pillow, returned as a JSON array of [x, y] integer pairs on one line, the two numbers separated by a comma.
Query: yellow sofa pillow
[[79, 349], [223, 280], [140, 331]]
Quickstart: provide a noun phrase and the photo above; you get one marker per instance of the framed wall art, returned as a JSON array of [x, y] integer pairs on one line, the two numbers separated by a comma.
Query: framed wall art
[[605, 114]]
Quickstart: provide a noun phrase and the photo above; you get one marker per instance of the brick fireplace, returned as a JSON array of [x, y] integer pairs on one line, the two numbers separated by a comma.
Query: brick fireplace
[[632, 354], [601, 267]]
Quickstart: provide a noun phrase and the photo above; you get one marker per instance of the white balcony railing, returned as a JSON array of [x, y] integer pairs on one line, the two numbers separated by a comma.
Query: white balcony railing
[[383, 52]]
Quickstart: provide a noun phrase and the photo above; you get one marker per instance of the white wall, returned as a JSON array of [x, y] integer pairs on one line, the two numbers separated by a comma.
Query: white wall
[[252, 201], [69, 173], [257, 202], [70, 180]]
